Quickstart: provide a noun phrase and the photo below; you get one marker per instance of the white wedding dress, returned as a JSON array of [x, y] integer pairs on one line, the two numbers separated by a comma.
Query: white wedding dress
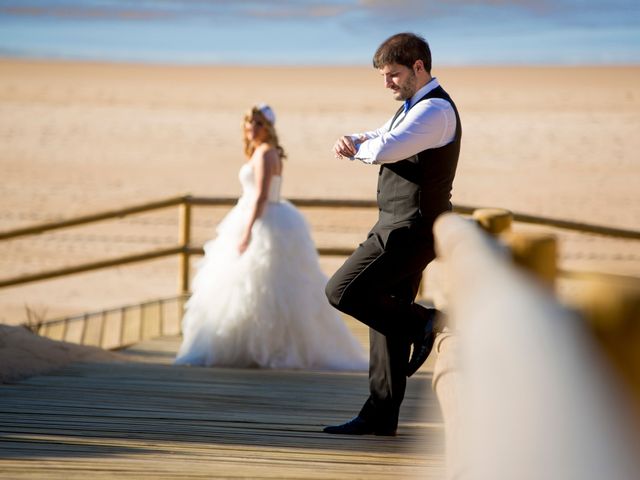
[[266, 307]]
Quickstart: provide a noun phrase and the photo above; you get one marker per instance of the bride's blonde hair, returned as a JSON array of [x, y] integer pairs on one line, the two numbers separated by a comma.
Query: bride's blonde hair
[[272, 136]]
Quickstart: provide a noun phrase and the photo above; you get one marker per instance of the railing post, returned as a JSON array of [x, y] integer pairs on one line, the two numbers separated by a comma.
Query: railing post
[[493, 220], [446, 382], [536, 253], [83, 336], [613, 312], [122, 326], [103, 328], [185, 240]]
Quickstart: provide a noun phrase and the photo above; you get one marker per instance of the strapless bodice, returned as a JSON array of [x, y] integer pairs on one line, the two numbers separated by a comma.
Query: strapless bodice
[[247, 180]]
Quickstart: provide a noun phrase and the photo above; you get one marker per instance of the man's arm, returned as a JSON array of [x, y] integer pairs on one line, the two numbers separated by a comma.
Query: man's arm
[[429, 124], [347, 145]]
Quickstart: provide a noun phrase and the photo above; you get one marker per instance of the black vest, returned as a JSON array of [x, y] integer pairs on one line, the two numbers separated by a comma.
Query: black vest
[[414, 191]]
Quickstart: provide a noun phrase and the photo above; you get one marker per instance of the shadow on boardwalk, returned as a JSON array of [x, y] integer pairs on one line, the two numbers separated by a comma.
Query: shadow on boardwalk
[[144, 418]]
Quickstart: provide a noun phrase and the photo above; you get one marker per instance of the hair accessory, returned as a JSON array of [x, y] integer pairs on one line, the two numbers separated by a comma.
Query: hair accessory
[[267, 112]]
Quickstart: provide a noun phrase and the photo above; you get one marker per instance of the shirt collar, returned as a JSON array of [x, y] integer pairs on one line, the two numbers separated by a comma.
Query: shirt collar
[[433, 83]]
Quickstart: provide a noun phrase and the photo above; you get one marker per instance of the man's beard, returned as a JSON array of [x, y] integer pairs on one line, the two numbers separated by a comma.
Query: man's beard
[[407, 90]]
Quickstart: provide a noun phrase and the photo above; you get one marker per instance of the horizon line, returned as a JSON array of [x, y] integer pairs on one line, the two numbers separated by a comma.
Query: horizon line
[[167, 63]]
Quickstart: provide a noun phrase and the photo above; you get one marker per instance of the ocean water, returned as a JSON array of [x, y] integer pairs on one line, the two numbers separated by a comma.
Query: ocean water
[[308, 32]]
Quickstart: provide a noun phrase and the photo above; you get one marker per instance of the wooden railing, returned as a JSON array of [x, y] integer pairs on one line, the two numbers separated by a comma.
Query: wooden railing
[[119, 327], [528, 387], [66, 328], [184, 248]]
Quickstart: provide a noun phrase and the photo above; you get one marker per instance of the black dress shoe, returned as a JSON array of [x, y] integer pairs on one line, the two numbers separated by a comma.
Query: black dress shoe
[[422, 344], [359, 426]]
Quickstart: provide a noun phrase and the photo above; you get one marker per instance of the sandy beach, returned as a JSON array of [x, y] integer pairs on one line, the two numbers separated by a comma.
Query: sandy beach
[[77, 138]]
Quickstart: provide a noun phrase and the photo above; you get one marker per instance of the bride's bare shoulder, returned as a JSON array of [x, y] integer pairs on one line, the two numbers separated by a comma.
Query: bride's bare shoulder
[[267, 155]]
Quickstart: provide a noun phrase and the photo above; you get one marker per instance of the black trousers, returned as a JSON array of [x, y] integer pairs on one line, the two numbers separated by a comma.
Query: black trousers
[[377, 285]]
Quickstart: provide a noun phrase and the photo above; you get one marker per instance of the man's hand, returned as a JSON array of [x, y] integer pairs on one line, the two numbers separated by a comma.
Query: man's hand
[[345, 147]]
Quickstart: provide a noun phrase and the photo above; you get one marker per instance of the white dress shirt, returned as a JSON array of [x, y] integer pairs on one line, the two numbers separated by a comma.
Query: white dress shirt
[[428, 124]]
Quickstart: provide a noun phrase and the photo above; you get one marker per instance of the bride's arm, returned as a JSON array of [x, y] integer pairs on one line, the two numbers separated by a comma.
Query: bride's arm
[[263, 167]]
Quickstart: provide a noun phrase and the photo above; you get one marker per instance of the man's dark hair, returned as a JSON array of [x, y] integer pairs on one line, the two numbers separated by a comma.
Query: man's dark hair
[[403, 49]]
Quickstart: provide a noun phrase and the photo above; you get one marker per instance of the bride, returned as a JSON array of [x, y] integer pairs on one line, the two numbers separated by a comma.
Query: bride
[[258, 295]]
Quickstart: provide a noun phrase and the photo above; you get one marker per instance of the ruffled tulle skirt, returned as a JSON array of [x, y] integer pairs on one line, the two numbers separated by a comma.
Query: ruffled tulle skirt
[[266, 307]]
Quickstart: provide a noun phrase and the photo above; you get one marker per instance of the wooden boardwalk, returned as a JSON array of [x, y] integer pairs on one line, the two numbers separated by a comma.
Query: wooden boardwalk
[[144, 418]]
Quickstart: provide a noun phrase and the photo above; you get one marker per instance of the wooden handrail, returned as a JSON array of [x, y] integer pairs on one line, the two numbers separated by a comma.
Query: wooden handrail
[[185, 249], [577, 226], [588, 275], [96, 217], [87, 267], [305, 203], [298, 202], [329, 251]]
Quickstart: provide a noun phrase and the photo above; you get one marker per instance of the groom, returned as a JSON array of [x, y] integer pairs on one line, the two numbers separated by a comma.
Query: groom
[[417, 151]]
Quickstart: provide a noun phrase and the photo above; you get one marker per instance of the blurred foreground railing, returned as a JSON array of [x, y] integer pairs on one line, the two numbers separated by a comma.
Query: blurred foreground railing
[[529, 388]]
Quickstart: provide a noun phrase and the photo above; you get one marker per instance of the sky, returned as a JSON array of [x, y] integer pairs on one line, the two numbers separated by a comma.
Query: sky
[[329, 32]]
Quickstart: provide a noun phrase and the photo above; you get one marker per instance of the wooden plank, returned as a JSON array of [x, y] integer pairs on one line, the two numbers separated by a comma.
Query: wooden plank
[[153, 420], [75, 327], [151, 320], [112, 329], [92, 329], [172, 316], [132, 325], [55, 332]]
